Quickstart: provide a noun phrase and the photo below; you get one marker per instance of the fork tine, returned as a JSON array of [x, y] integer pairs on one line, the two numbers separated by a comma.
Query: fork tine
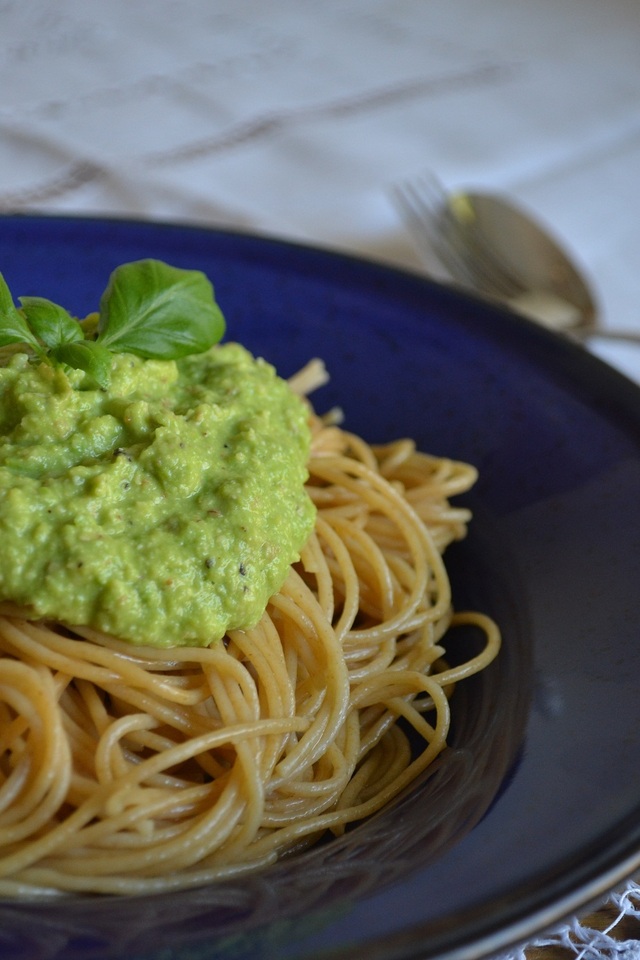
[[457, 247], [424, 207]]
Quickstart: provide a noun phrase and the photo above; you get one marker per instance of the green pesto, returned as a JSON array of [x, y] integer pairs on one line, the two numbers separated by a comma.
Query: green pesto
[[165, 510]]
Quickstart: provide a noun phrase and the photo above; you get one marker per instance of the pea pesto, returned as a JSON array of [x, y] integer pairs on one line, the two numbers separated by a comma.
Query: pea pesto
[[151, 482], [164, 510]]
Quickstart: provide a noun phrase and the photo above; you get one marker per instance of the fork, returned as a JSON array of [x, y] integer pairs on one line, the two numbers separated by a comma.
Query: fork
[[445, 232]]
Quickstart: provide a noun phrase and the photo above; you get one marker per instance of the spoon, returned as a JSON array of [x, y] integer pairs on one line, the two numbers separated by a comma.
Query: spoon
[[487, 244]]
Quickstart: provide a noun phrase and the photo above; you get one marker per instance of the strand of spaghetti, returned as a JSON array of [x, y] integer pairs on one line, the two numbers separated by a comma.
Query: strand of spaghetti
[[109, 763], [314, 562], [298, 799], [393, 683], [359, 450], [262, 647], [154, 818], [11, 729], [121, 829], [482, 659], [443, 477], [420, 649], [79, 658], [33, 695], [62, 832], [208, 830], [392, 456], [378, 769], [409, 773], [296, 601], [340, 554], [309, 378], [294, 832], [327, 788], [234, 703], [232, 734], [362, 548], [46, 879], [390, 694], [382, 496]]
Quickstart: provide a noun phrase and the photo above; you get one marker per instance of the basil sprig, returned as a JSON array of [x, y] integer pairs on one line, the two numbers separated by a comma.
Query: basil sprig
[[149, 308]]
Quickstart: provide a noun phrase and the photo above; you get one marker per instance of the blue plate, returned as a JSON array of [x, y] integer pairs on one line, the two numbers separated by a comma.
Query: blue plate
[[534, 810]]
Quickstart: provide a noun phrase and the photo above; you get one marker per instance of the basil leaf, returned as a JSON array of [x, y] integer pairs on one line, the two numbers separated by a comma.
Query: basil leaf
[[86, 355], [157, 311], [13, 326], [52, 323]]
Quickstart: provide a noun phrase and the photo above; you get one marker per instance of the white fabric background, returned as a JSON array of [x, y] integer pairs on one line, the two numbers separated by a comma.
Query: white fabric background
[[296, 117]]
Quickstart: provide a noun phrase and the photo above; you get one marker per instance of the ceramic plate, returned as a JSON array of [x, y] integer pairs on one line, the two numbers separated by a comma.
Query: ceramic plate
[[534, 810]]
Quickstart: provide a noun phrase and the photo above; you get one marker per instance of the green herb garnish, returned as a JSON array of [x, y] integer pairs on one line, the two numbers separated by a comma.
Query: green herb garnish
[[148, 308]]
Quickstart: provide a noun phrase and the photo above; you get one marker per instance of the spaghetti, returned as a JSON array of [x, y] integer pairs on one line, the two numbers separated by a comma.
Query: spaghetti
[[126, 770]]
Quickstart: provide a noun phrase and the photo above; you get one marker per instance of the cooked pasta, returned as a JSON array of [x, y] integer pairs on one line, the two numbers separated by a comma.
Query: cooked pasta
[[126, 770]]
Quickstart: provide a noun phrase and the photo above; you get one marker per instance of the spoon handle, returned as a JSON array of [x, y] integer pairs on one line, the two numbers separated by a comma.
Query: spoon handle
[[629, 336]]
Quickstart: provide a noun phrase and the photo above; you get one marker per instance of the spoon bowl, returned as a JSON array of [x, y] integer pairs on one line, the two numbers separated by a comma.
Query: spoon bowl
[[544, 283]]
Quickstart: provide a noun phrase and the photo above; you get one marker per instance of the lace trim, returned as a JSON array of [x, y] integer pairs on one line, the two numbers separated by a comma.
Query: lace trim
[[585, 943]]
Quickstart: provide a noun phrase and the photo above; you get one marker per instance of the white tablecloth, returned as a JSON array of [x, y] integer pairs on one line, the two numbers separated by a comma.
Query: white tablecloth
[[296, 117]]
